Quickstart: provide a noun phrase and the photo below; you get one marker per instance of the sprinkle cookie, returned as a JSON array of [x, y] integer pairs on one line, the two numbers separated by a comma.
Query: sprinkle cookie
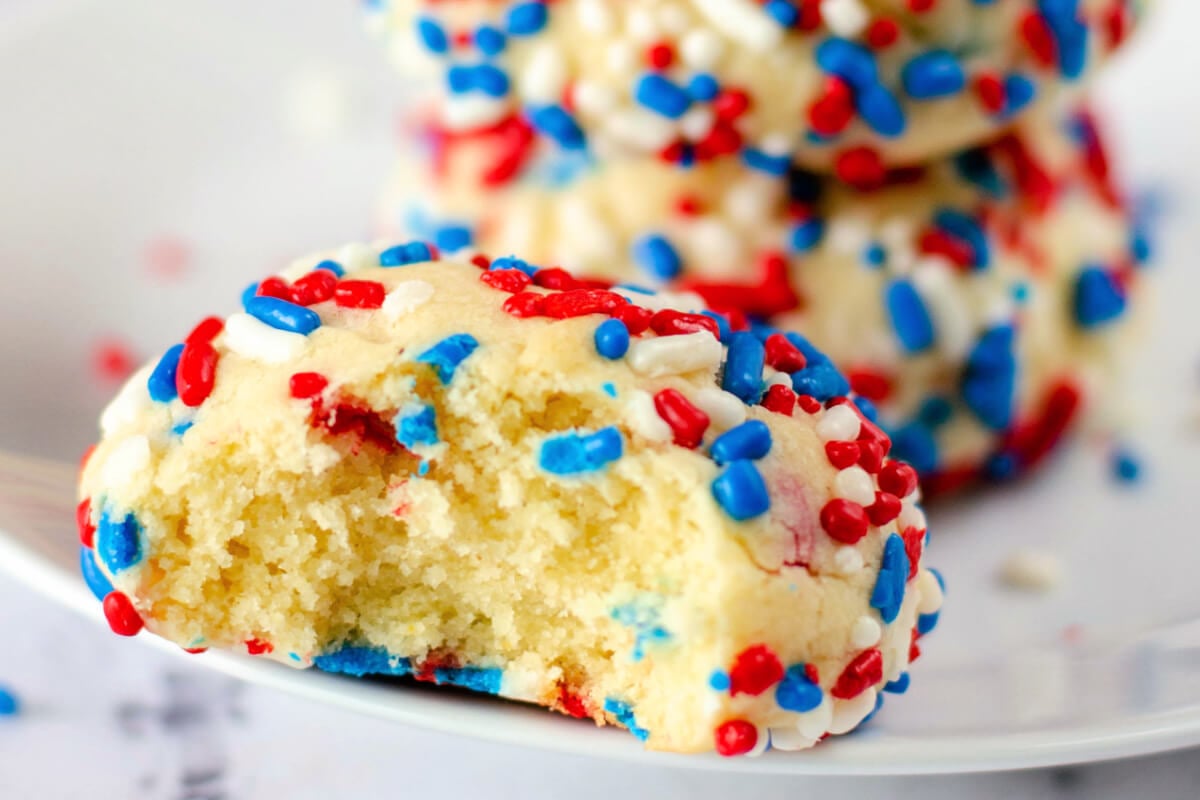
[[607, 501]]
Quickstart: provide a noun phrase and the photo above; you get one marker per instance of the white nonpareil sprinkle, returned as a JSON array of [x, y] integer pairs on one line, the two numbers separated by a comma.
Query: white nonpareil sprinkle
[[594, 16], [911, 515], [130, 403], [773, 377], [938, 285], [1032, 570], [846, 18], [696, 122], [744, 21], [462, 112], [760, 743], [848, 235], [776, 144], [750, 201], [356, 256], [675, 355], [847, 714], [640, 128], [621, 56], [643, 417], [545, 75], [865, 633], [855, 484], [405, 297], [813, 724], [724, 409], [125, 461], [592, 97], [700, 48], [258, 341], [839, 424], [790, 739], [930, 593], [847, 560]]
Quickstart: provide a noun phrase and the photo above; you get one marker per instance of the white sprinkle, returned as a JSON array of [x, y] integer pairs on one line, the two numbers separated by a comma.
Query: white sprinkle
[[643, 417], [640, 25], [865, 632], [639, 128], [258, 341], [760, 743], [776, 144], [725, 410], [848, 235], [746, 22], [584, 236], [813, 724], [462, 112], [521, 683], [930, 592], [714, 247], [544, 75], [749, 201], [130, 403], [847, 714], [673, 19], [128, 458], [855, 484], [773, 377], [700, 48], [839, 424], [687, 302], [696, 122], [594, 16], [1032, 570], [356, 256], [911, 515], [790, 739], [621, 56], [938, 285], [675, 355], [405, 297], [593, 98], [846, 18], [847, 560]]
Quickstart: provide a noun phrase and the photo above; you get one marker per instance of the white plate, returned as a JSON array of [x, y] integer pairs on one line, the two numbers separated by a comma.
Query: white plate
[[128, 121]]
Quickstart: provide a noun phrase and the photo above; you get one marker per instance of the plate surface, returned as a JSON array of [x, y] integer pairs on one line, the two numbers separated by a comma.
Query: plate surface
[[181, 130]]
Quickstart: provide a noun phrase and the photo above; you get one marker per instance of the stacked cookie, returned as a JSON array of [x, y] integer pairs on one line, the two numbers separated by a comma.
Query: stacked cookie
[[910, 183]]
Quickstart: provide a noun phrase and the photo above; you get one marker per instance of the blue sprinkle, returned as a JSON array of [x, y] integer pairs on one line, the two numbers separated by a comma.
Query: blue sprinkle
[[655, 255], [909, 316], [282, 315], [783, 12], [990, 378], [423, 468], [526, 19], [96, 580], [490, 40], [118, 542], [719, 680], [446, 355], [452, 238], [183, 427], [723, 329], [741, 491], [967, 229], [743, 367], [871, 716], [898, 686], [660, 95], [416, 426], [933, 74], [477, 679], [1125, 466], [875, 256], [796, 692], [490, 80], [643, 616], [9, 705], [703, 87], [161, 383], [328, 264], [557, 123], [623, 713], [512, 262], [1019, 92], [849, 61], [807, 234], [1070, 35], [880, 109], [765, 162], [575, 454], [1097, 299], [432, 35], [822, 381], [249, 292], [1001, 466], [888, 594], [403, 254], [749, 441], [867, 408], [927, 622], [460, 79], [609, 389], [915, 445], [935, 411], [359, 660], [811, 354], [612, 339], [1021, 292]]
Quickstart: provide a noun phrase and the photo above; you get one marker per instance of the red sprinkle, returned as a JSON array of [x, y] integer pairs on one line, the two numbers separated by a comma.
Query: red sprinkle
[[83, 521], [882, 33], [195, 650], [914, 543], [832, 111], [506, 280], [669, 322], [636, 318], [359, 294], [729, 104], [206, 331], [755, 670], [558, 278], [842, 454], [812, 673], [735, 737], [581, 302], [921, 6], [864, 671], [868, 383], [257, 647], [315, 287], [660, 55], [870, 456], [1038, 38], [808, 403], [990, 91], [898, 478], [860, 167], [687, 422], [936, 242], [783, 355], [481, 261], [304, 385], [525, 304], [196, 373], [570, 701], [885, 509], [122, 617], [844, 520], [274, 287], [779, 399]]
